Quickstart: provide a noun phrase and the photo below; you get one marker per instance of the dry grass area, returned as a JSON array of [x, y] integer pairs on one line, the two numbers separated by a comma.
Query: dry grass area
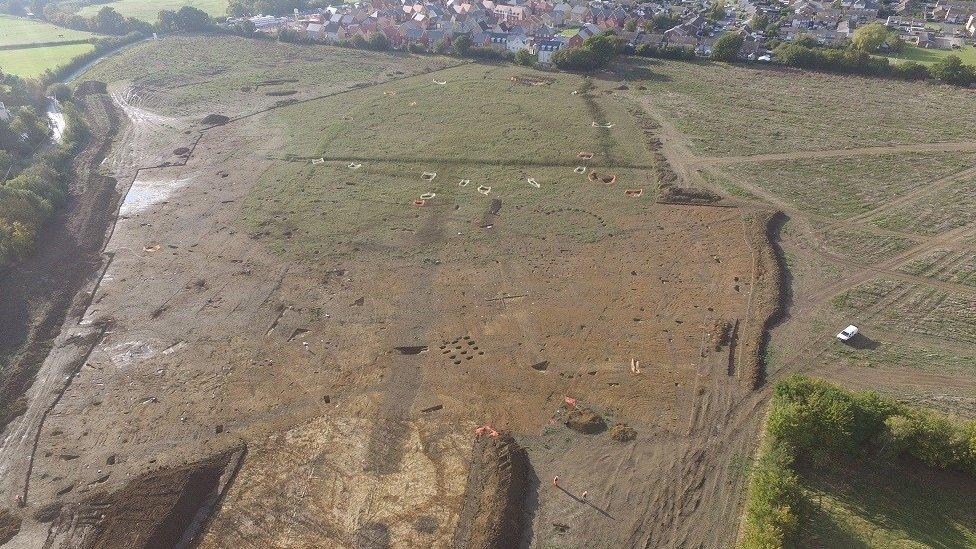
[[196, 75], [737, 110]]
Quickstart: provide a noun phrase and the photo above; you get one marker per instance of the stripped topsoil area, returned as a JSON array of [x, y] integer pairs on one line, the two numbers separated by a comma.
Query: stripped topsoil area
[[414, 385]]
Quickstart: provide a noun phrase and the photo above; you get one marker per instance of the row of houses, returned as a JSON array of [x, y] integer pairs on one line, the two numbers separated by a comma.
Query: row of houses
[[543, 27]]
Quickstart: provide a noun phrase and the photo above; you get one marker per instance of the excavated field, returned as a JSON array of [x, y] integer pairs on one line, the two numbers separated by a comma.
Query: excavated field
[[288, 353]]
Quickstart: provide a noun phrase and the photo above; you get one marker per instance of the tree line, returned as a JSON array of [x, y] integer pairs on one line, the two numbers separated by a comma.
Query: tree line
[[37, 186]]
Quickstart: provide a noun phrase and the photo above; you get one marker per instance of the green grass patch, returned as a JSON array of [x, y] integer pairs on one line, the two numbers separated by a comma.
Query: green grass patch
[[31, 62], [479, 116], [929, 56], [460, 130], [326, 211], [887, 503], [20, 31], [147, 10], [893, 355], [734, 110]]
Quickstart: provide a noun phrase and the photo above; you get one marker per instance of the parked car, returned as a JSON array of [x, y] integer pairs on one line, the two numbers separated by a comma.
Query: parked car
[[847, 333]]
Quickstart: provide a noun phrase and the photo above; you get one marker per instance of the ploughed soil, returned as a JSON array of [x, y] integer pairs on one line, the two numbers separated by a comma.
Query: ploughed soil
[[356, 385]]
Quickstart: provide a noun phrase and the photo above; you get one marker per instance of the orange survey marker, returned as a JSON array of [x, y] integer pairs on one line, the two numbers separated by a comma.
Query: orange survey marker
[[585, 155], [485, 430], [419, 202]]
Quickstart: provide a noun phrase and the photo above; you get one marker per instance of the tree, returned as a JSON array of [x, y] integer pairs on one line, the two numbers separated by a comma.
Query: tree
[[461, 45], [870, 37], [189, 18], [952, 71], [523, 57], [576, 59], [108, 21], [59, 91], [442, 46], [631, 26], [604, 46], [759, 21], [378, 42], [664, 20], [727, 47], [238, 8]]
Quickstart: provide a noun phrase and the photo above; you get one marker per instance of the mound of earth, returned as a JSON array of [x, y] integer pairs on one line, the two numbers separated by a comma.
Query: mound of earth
[[161, 508], [683, 195], [91, 86], [585, 421], [491, 514], [621, 432], [9, 525], [215, 120]]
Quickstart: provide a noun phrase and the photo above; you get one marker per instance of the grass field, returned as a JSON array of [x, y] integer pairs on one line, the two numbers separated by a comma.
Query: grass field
[[947, 266], [861, 245], [17, 31], [29, 62], [932, 55], [736, 110], [190, 75], [935, 213], [843, 188], [911, 309], [889, 504], [400, 130], [148, 10]]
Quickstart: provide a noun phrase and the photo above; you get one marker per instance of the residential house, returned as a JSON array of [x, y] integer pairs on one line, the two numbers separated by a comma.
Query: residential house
[[546, 49]]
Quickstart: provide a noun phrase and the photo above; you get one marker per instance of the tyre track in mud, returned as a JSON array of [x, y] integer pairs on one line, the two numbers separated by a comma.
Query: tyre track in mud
[[418, 306]]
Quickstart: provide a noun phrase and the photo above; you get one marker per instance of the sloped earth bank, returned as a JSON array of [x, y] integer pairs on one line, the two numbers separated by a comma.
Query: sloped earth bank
[[356, 383]]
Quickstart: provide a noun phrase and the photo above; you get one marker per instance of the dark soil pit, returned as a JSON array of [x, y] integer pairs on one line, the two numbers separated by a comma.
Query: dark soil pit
[[585, 421], [215, 119]]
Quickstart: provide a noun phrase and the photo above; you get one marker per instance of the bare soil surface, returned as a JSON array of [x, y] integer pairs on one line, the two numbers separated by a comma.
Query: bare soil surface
[[356, 387]]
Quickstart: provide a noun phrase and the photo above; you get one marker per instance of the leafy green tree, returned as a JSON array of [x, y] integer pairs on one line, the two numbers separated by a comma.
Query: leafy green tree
[[951, 70], [727, 47], [524, 57], [870, 37], [665, 20], [189, 18], [442, 46], [631, 25], [378, 42], [461, 45], [108, 21], [775, 502], [238, 8], [814, 417]]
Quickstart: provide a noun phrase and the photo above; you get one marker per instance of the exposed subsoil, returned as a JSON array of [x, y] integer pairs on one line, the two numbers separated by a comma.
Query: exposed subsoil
[[356, 383], [36, 293]]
